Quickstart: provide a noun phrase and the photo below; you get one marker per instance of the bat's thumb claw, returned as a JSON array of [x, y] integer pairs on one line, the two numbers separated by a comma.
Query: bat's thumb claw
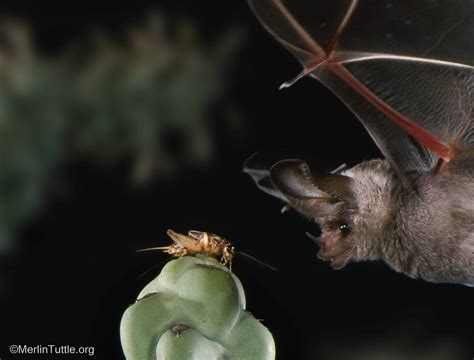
[[306, 71]]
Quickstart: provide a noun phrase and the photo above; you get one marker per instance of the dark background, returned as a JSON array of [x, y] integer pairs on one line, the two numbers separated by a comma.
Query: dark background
[[74, 270]]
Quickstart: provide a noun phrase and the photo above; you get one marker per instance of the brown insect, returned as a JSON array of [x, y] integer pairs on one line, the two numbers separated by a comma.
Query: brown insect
[[198, 242]]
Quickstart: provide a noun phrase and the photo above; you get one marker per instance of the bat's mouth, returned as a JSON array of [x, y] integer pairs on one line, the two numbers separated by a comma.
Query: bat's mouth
[[341, 260], [336, 261]]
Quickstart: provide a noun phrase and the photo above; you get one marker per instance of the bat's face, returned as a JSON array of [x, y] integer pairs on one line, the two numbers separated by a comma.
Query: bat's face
[[351, 208], [341, 228], [335, 243]]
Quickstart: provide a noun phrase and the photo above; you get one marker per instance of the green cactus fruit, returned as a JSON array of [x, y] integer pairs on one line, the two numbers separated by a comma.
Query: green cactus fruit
[[195, 309]]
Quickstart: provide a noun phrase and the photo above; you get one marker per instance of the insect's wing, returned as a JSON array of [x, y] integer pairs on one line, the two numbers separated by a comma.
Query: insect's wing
[[404, 67]]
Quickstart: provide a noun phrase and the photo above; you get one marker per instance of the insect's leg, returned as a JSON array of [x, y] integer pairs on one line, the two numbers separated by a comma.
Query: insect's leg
[[182, 252], [205, 240]]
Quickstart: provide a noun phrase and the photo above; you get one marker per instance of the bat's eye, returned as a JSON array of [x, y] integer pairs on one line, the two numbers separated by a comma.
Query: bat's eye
[[344, 229]]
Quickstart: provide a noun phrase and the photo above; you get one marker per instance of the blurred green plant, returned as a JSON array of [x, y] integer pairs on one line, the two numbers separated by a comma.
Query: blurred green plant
[[195, 309], [107, 101]]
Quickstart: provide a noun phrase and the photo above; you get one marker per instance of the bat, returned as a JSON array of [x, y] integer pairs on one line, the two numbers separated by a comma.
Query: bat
[[405, 69]]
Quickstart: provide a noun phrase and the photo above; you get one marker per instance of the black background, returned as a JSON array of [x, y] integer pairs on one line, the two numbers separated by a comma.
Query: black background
[[75, 269]]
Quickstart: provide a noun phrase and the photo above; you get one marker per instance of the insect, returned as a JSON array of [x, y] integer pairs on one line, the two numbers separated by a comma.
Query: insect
[[198, 242], [405, 69]]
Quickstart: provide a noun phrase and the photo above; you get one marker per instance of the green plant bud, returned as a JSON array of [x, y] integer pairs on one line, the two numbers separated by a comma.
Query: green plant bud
[[195, 309]]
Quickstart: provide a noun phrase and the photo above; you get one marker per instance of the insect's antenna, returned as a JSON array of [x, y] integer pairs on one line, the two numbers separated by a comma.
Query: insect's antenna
[[152, 268], [156, 265], [154, 248], [260, 262]]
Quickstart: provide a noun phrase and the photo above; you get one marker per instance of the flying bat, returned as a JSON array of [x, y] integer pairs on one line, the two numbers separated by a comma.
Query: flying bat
[[405, 69]]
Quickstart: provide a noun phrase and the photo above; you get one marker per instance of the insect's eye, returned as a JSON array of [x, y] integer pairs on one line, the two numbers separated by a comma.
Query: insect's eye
[[344, 229]]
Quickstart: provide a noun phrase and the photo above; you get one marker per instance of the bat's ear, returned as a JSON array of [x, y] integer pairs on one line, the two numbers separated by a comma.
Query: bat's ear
[[286, 179], [259, 170], [292, 181], [293, 178]]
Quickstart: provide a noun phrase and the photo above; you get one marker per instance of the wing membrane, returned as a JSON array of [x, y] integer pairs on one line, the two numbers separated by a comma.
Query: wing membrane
[[404, 67]]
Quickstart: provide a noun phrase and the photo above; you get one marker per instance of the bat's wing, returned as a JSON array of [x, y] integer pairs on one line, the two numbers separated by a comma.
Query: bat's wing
[[404, 67]]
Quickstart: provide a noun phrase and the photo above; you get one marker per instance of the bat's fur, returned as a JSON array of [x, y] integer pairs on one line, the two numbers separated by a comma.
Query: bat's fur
[[426, 232]]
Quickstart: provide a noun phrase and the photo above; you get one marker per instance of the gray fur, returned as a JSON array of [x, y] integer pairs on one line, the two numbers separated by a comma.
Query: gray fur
[[427, 232]]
